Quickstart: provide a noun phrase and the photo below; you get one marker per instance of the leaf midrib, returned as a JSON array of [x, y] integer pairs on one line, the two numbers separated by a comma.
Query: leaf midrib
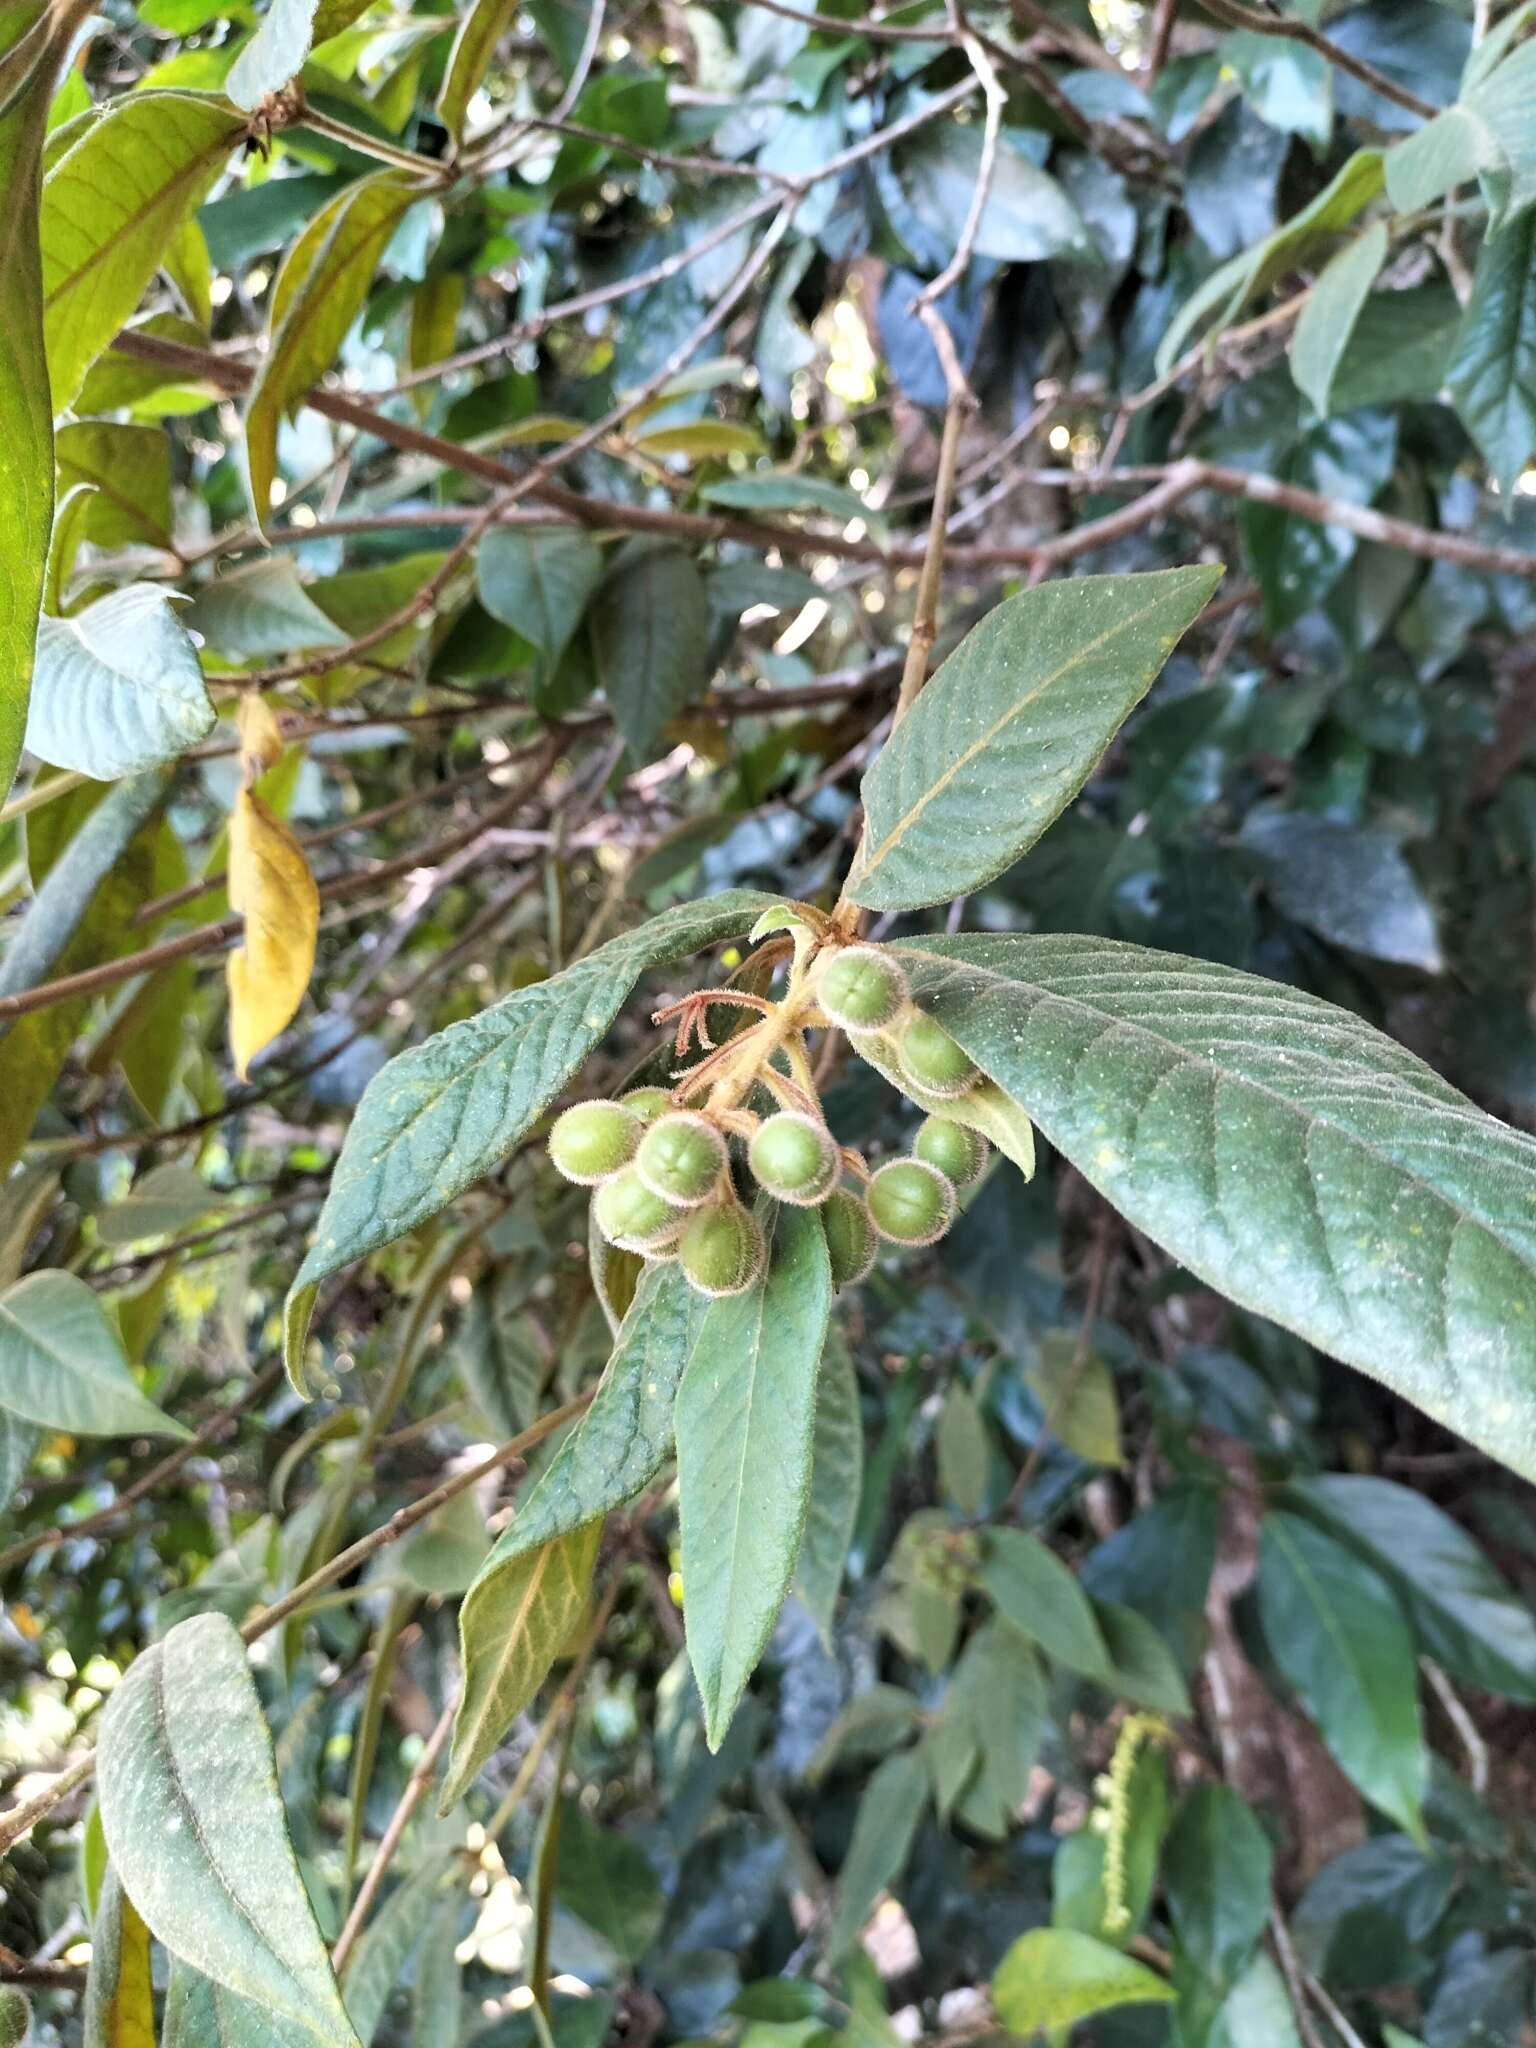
[[1017, 709]]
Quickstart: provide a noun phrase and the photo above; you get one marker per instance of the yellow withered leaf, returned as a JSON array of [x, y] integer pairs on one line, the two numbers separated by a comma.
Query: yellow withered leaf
[[261, 740], [271, 886]]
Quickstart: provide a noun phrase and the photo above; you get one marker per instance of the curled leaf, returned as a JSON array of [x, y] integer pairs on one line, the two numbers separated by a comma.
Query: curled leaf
[[271, 886]]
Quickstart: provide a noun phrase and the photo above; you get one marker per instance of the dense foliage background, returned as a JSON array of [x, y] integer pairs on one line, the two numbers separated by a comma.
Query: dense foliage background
[[582, 594]]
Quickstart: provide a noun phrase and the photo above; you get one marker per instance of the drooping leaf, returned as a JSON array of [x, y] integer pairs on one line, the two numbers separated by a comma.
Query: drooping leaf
[[319, 292], [510, 1641], [118, 688], [886, 1825], [1282, 1149], [1009, 729], [1027, 216], [746, 1412], [62, 1365], [195, 1826], [262, 610], [200, 2013], [538, 582], [481, 29], [165, 1200], [1336, 1630], [274, 54], [1053, 1976], [1347, 883], [607, 1880], [110, 205], [837, 1466], [963, 1449], [1328, 318], [1217, 1867], [271, 886], [1076, 1392], [1492, 375], [119, 1998], [650, 640], [129, 470], [387, 1944], [443, 1114], [1037, 1594]]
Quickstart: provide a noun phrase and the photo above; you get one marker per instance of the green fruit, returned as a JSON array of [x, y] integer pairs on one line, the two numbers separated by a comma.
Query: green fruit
[[931, 1060], [911, 1202], [631, 1215], [851, 1242], [593, 1140], [862, 989], [15, 2016], [722, 1250], [647, 1103], [681, 1158], [958, 1153], [794, 1158]]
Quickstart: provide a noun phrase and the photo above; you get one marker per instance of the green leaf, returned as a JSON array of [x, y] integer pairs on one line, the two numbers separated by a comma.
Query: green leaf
[[509, 1643], [119, 687], [650, 640], [791, 491], [746, 1413], [1338, 1635], [162, 1202], [1078, 1897], [614, 1451], [195, 1827], [1035, 1593], [1027, 217], [607, 1880], [262, 610], [388, 1942], [1347, 883], [1053, 1977], [989, 1733], [1281, 1149], [200, 2013], [884, 1829], [62, 1366], [837, 1475], [1328, 318], [26, 414], [1462, 1612], [320, 291], [1217, 1867], [1143, 1667], [1258, 2008], [111, 204], [1010, 728], [129, 469], [273, 55], [1076, 1392], [1438, 157], [441, 1115], [119, 1998], [964, 1452], [482, 28], [538, 581], [1492, 375], [18, 1443]]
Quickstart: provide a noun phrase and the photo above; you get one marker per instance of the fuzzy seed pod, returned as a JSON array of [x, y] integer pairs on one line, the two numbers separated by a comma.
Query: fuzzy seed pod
[[681, 1158], [851, 1243], [959, 1154], [794, 1159], [911, 1202], [862, 988], [647, 1103], [931, 1060], [15, 2016], [631, 1215], [722, 1250], [593, 1140]]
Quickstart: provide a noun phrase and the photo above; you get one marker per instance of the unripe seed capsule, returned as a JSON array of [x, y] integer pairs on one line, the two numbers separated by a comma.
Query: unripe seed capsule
[[911, 1202], [631, 1215], [722, 1249], [593, 1140], [862, 989], [15, 2015], [958, 1153], [851, 1242], [931, 1060], [681, 1158], [794, 1158], [647, 1103]]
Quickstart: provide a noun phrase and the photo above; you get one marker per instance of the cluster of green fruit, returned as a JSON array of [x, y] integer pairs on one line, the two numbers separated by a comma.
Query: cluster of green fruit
[[663, 1175]]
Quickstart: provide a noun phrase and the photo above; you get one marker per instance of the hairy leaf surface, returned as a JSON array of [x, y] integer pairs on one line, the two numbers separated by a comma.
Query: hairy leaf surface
[[62, 1363], [119, 687]]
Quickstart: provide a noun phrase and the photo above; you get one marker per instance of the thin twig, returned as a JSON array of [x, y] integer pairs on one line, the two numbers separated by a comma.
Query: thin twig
[[389, 1841]]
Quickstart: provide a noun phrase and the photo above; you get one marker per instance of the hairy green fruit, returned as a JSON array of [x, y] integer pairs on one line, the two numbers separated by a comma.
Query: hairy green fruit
[[593, 1140], [958, 1153], [681, 1158], [722, 1250], [793, 1158], [931, 1060], [851, 1242], [862, 989], [15, 2016], [911, 1202], [631, 1215], [647, 1103]]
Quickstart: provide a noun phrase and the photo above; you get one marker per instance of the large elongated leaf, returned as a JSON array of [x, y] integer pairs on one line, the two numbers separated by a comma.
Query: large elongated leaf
[[1036, 1593], [509, 1646], [193, 1820], [441, 1115], [1492, 375], [1337, 1632], [481, 29], [1328, 318], [1009, 730], [538, 582], [119, 1998], [650, 639], [746, 1412], [119, 687], [894, 1802], [62, 1364], [1216, 1874], [837, 1470], [200, 2013], [111, 205], [1280, 1148], [319, 293]]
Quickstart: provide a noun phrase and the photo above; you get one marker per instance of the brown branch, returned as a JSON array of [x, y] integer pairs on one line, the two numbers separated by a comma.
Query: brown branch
[[1260, 21]]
